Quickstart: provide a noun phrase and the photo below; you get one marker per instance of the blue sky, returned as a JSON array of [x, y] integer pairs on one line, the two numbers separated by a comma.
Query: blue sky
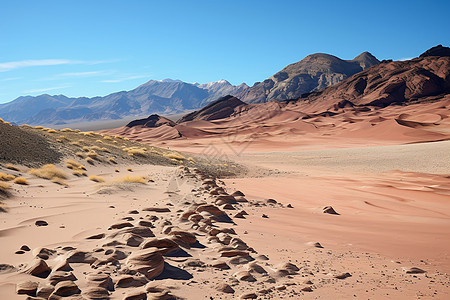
[[90, 48]]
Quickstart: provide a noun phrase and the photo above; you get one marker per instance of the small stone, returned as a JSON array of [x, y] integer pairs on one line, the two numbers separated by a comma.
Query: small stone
[[329, 210], [280, 287], [136, 296], [415, 270], [249, 296], [265, 216], [343, 275], [307, 289], [25, 248], [41, 223], [225, 288]]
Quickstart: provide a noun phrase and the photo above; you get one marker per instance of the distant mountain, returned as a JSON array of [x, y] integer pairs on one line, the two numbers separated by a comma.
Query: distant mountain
[[152, 121], [220, 109], [163, 97], [312, 73]]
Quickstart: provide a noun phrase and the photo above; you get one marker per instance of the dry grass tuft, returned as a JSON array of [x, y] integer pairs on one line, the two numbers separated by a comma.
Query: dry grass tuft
[[73, 165], [21, 180], [52, 131], [12, 167], [112, 160], [132, 179], [96, 178], [79, 173], [116, 170], [4, 185], [80, 154], [50, 172], [130, 170], [67, 130], [89, 160], [107, 137], [92, 154], [138, 151], [6, 177], [38, 127], [174, 155]]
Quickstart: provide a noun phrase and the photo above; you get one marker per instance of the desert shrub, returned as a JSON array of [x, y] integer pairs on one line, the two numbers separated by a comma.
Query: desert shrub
[[38, 127], [118, 137], [92, 154], [80, 154], [74, 165], [4, 185], [79, 173], [130, 170], [67, 130], [51, 131], [89, 160], [116, 170], [59, 140], [96, 178], [107, 137], [174, 155], [112, 160], [21, 180], [6, 177], [12, 167], [50, 172], [75, 144], [135, 151], [132, 179], [89, 133]]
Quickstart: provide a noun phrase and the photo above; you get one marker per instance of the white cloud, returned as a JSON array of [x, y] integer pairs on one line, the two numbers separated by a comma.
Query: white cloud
[[10, 78], [45, 89], [124, 78], [405, 58], [8, 66]]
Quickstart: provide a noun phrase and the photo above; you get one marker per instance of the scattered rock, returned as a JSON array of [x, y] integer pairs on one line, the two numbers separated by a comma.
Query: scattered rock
[[38, 267], [166, 245], [271, 201], [45, 291], [96, 236], [27, 287], [145, 223], [25, 248], [329, 210], [136, 295], [58, 276], [77, 256], [184, 236], [245, 276], [249, 296], [127, 281], [254, 267], [133, 212], [221, 265], [148, 262], [265, 216], [225, 288], [66, 288], [343, 275], [43, 253], [415, 270], [317, 245], [238, 193], [157, 209], [307, 289], [101, 280], [41, 223], [280, 287], [121, 225], [96, 293], [289, 206]]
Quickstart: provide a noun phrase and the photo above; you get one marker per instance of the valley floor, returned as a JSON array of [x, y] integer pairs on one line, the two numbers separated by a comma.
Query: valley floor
[[392, 205]]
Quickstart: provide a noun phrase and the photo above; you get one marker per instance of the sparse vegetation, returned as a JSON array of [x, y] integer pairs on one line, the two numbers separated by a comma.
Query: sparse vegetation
[[67, 130], [79, 173], [174, 155], [6, 177], [4, 185], [12, 167], [21, 180], [107, 137], [50, 172], [92, 154], [130, 170], [89, 160], [73, 165], [139, 151], [96, 178], [52, 131], [112, 160], [132, 179], [80, 154]]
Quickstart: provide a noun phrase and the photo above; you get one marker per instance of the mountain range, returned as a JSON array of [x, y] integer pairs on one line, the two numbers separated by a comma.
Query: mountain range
[[163, 97], [168, 96], [312, 73]]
